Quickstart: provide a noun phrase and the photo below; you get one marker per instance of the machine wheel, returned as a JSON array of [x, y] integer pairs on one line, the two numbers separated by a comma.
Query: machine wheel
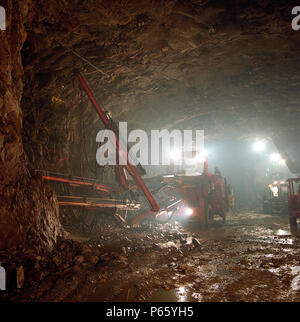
[[293, 225]]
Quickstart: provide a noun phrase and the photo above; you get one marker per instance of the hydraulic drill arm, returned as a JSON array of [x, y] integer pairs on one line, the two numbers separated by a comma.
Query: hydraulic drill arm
[[122, 151]]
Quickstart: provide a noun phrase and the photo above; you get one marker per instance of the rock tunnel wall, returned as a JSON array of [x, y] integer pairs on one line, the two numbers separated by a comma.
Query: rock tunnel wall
[[28, 209], [149, 54]]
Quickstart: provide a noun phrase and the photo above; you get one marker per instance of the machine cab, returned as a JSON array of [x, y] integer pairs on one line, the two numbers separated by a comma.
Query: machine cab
[[276, 196]]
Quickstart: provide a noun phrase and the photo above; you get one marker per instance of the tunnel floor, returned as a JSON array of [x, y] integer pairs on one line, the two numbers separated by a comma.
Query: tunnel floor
[[251, 258]]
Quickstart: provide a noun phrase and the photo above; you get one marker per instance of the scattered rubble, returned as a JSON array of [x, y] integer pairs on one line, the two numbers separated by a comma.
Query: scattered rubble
[[132, 264]]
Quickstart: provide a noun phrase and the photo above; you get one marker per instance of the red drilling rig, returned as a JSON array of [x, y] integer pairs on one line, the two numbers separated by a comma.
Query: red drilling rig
[[197, 197], [294, 203]]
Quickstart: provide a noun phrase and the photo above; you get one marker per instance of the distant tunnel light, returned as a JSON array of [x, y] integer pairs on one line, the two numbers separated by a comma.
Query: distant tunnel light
[[259, 146], [282, 162], [275, 157]]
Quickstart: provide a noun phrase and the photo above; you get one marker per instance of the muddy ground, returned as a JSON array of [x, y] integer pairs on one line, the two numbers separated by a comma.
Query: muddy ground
[[252, 257]]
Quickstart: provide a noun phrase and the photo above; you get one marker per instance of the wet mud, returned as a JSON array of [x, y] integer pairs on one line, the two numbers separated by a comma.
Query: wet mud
[[253, 257]]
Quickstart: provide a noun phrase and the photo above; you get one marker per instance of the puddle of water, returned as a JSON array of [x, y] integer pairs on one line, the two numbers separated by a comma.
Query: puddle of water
[[286, 241], [282, 232], [270, 255], [295, 270], [179, 294], [162, 295], [295, 285], [290, 241], [169, 244], [189, 240]]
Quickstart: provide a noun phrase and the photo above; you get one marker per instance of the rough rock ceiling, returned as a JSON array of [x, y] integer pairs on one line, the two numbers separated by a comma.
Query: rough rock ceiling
[[229, 67], [225, 66]]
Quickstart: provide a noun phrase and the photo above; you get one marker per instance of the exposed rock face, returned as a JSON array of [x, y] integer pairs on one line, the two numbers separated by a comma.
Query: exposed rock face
[[222, 66], [228, 67], [28, 209]]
